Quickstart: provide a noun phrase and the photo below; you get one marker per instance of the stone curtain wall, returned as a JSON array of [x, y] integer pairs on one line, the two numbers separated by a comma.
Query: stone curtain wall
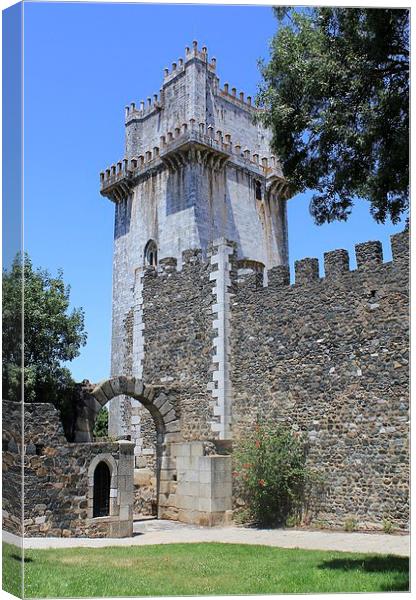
[[178, 339], [57, 485], [330, 357]]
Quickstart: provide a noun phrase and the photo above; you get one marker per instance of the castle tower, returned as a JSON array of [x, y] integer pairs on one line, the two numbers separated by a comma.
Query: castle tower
[[197, 169]]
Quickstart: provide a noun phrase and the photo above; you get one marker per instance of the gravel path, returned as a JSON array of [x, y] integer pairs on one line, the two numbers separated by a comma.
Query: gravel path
[[169, 532]]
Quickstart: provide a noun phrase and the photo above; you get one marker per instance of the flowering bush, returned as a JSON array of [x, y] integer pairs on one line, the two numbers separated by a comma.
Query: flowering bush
[[271, 474]]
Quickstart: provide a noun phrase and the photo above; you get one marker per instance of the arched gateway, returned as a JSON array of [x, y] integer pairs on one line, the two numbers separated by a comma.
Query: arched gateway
[[162, 410], [154, 399], [193, 484]]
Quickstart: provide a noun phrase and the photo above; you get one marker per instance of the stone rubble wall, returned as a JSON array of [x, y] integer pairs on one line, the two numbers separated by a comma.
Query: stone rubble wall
[[330, 357], [178, 340], [12, 467], [57, 481]]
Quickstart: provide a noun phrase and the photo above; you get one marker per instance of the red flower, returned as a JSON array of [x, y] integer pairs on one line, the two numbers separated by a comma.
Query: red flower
[[257, 443], [262, 483]]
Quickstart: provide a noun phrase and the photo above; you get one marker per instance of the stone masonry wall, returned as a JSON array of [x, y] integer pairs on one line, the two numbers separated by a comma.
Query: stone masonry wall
[[12, 470], [330, 357], [178, 338], [57, 482]]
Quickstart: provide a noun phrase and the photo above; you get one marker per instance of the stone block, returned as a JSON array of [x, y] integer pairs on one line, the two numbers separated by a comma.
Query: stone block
[[205, 490], [197, 449], [119, 385], [190, 476], [205, 463], [167, 474], [181, 450], [160, 399], [142, 476], [165, 409], [138, 388], [205, 477], [130, 387], [168, 463], [187, 502], [188, 516], [222, 490], [170, 416], [172, 427], [173, 437], [100, 396], [125, 512], [149, 393], [107, 390], [221, 463], [204, 504]]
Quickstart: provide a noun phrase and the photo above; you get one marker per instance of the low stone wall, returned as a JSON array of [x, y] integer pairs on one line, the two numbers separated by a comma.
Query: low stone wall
[[58, 480], [12, 467]]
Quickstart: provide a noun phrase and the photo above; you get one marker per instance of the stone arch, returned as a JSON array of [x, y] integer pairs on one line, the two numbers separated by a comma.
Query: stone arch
[[155, 400]]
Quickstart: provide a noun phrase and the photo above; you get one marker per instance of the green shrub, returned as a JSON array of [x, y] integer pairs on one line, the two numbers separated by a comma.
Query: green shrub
[[388, 526], [271, 474], [101, 424], [293, 521], [350, 524]]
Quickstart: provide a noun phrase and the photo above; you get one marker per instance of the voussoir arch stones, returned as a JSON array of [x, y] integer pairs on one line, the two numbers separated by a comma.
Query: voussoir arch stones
[[156, 401]]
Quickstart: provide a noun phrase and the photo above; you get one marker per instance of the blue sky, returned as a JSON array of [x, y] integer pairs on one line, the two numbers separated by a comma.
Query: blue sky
[[83, 64]]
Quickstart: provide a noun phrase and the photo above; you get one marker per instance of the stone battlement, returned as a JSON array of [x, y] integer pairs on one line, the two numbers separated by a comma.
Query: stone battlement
[[178, 69], [207, 147], [369, 256]]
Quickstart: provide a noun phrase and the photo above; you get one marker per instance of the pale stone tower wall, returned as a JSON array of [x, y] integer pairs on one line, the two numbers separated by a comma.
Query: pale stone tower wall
[[197, 170]]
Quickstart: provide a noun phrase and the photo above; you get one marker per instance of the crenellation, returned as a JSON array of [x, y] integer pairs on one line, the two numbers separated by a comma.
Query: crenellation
[[251, 277], [369, 255], [336, 263], [332, 360], [306, 271], [400, 247], [278, 277]]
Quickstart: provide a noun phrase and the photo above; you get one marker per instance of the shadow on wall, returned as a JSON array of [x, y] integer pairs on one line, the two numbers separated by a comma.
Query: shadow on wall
[[207, 191], [122, 217]]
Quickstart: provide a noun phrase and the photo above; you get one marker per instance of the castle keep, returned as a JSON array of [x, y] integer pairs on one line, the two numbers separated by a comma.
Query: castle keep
[[210, 336], [197, 170]]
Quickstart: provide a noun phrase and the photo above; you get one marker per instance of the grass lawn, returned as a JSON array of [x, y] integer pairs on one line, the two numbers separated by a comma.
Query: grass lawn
[[201, 569]]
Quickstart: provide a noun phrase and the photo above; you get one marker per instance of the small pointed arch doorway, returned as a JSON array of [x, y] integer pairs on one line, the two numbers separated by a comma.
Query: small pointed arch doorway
[[101, 493]]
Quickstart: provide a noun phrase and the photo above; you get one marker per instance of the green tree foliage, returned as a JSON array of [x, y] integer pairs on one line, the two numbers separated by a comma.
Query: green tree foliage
[[101, 424], [336, 96], [52, 335], [271, 474]]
